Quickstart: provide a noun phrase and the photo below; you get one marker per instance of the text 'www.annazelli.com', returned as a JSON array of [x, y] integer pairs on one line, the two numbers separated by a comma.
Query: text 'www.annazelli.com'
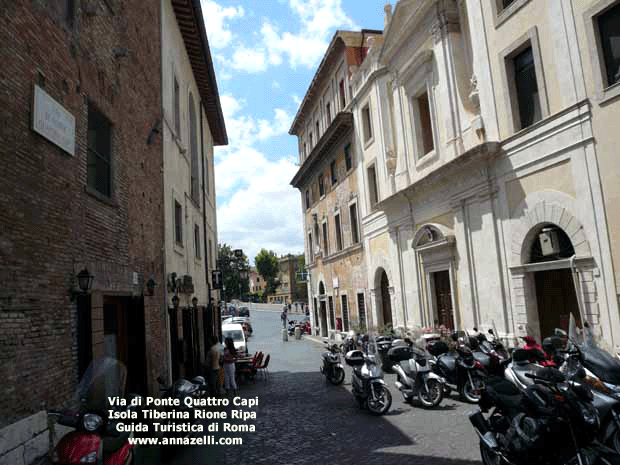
[[206, 440]]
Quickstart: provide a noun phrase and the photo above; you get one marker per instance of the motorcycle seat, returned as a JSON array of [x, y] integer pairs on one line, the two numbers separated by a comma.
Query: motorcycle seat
[[504, 393], [448, 361], [520, 369]]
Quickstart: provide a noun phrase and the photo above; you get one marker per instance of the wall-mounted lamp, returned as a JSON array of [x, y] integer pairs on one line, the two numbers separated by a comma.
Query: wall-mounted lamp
[[150, 286], [85, 280]]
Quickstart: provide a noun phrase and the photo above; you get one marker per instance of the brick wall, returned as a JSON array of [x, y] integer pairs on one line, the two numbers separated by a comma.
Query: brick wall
[[50, 226]]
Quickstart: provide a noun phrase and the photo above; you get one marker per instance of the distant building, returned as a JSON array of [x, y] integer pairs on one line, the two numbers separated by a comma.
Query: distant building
[[330, 183], [289, 289]]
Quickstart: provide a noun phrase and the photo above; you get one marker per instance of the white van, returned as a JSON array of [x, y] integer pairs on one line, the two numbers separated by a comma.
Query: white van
[[235, 331]]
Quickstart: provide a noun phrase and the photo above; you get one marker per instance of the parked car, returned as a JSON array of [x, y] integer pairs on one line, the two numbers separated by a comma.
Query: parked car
[[243, 321], [244, 311], [236, 332]]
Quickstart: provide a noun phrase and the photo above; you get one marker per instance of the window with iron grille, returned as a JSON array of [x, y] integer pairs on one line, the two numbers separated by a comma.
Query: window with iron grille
[[361, 310], [345, 313], [99, 166], [178, 222]]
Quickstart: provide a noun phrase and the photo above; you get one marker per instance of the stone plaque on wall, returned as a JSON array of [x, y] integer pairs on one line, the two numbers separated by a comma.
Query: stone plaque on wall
[[52, 121]]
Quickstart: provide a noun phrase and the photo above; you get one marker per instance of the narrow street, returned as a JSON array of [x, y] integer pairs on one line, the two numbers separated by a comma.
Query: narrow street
[[301, 419]]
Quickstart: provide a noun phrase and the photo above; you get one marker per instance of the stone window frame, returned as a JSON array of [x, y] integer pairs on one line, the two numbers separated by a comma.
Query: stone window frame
[[506, 56], [338, 230], [325, 236], [368, 133], [501, 14], [372, 202], [354, 203], [603, 93]]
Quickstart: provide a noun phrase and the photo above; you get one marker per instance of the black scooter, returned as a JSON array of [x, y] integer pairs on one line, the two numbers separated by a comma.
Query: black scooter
[[332, 366], [461, 371]]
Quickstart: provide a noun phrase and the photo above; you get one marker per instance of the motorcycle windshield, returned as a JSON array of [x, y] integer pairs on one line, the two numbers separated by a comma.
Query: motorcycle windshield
[[102, 383]]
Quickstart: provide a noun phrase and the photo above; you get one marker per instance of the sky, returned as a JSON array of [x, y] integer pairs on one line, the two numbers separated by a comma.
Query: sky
[[265, 54]]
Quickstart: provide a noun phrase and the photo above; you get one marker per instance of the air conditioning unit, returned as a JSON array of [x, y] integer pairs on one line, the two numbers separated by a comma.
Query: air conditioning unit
[[549, 241]]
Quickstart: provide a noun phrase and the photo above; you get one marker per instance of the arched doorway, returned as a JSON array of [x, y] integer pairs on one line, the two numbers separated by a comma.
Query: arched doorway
[[323, 309], [385, 299], [556, 298]]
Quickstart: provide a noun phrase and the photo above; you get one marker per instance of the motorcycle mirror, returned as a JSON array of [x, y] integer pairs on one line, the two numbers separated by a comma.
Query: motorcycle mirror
[[490, 331]]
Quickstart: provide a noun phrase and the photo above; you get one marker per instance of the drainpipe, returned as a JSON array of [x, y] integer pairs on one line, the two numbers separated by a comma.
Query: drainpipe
[[577, 285], [210, 308]]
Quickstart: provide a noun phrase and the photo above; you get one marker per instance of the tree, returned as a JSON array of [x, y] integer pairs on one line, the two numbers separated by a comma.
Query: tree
[[229, 265], [267, 266]]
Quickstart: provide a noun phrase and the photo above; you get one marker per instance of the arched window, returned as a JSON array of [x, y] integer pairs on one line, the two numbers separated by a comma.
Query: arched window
[[193, 144]]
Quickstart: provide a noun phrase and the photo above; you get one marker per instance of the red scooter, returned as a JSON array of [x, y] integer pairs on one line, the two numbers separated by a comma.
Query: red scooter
[[96, 438]]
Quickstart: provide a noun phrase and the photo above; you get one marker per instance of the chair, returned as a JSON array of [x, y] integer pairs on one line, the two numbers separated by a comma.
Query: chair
[[248, 372], [264, 367]]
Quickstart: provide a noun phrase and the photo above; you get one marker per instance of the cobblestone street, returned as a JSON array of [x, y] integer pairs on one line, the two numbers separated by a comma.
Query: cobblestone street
[[301, 419]]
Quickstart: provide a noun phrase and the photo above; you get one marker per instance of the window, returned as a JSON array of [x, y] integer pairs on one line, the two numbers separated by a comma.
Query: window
[[338, 232], [332, 170], [426, 127], [321, 186], [310, 138], [178, 222], [528, 102], [609, 32], [177, 108], [193, 142], [317, 130], [307, 199], [332, 316], [212, 250], [372, 185], [361, 310], [345, 313], [527, 95], [506, 3], [348, 162], [343, 102], [328, 112], [355, 238], [304, 154], [310, 251], [366, 123], [99, 167], [197, 240], [325, 236]]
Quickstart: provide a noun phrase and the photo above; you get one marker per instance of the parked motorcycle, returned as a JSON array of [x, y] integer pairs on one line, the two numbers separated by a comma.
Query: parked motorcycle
[[181, 389], [367, 382], [332, 365], [495, 357], [607, 404], [550, 423], [460, 370], [97, 438], [413, 375]]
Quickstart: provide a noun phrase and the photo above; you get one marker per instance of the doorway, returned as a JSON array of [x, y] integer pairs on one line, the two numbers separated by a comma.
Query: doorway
[[386, 303], [323, 313], [556, 300], [444, 315]]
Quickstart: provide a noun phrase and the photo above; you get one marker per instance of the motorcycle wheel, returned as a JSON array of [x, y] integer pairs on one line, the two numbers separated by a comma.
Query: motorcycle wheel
[[434, 396], [382, 403], [489, 457], [472, 393], [337, 376]]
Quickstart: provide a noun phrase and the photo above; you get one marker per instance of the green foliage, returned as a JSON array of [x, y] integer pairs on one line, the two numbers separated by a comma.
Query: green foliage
[[267, 266], [230, 265]]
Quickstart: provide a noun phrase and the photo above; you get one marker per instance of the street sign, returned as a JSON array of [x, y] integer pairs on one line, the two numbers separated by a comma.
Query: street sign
[[216, 279]]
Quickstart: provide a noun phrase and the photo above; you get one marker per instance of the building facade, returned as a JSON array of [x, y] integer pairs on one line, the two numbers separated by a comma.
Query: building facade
[[490, 207], [290, 288], [328, 180], [82, 191], [192, 124]]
